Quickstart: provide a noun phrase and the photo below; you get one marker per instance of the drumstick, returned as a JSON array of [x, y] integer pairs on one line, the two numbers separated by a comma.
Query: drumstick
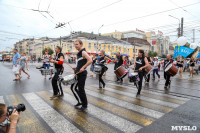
[[69, 65]]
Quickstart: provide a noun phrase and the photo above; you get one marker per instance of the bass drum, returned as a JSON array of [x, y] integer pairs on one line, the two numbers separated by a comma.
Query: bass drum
[[148, 69], [171, 69], [121, 72]]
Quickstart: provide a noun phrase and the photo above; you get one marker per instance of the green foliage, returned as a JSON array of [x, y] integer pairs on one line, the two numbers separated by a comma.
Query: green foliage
[[49, 49], [163, 56], [152, 54]]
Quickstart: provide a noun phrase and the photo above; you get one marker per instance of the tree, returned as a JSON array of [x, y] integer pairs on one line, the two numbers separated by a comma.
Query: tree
[[163, 56], [49, 50], [152, 54]]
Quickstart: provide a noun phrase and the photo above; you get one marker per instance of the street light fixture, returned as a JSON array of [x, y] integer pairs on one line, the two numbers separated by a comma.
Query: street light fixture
[[179, 34]]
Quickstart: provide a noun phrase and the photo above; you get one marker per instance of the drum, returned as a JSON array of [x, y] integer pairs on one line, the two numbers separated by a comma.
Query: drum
[[171, 69], [132, 77], [69, 79], [47, 71], [148, 69], [97, 69], [121, 72]]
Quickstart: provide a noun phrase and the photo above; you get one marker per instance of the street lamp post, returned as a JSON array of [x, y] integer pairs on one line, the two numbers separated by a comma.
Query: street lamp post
[[98, 39], [179, 28]]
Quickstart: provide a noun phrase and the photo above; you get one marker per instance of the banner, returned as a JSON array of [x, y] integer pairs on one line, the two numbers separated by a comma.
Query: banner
[[185, 51], [153, 42], [175, 52], [198, 56]]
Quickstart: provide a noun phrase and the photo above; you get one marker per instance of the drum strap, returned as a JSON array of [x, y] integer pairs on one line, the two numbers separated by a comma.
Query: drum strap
[[167, 64]]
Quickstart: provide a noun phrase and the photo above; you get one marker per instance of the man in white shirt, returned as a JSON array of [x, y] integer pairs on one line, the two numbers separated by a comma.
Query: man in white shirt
[[155, 68]]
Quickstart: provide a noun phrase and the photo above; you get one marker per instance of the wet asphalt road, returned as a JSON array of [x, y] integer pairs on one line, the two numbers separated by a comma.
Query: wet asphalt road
[[114, 109]]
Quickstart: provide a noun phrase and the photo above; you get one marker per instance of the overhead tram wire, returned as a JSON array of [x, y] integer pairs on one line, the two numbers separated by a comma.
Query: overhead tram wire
[[20, 7], [91, 12], [150, 14]]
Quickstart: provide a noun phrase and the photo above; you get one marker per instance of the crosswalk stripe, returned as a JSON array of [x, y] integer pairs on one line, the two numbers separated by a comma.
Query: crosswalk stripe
[[168, 104], [1, 99], [122, 112], [136, 101], [90, 124], [28, 122], [163, 98], [153, 92], [124, 104], [116, 121], [56, 121]]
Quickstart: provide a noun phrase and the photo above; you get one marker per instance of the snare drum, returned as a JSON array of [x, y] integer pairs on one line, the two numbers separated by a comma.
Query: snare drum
[[97, 69], [148, 69], [47, 71], [69, 79], [132, 77], [171, 69], [121, 72]]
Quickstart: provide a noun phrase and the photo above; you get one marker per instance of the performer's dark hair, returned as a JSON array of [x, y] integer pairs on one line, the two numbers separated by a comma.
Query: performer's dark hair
[[15, 49], [141, 51]]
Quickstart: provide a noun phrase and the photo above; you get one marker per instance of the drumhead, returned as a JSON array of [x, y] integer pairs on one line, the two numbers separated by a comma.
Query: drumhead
[[134, 74], [68, 77], [168, 67]]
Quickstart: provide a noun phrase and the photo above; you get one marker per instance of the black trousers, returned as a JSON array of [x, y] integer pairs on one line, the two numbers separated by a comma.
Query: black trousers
[[78, 89], [167, 78], [100, 77], [56, 84], [141, 75]]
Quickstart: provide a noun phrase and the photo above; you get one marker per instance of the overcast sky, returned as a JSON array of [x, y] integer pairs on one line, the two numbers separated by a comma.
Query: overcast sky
[[18, 22]]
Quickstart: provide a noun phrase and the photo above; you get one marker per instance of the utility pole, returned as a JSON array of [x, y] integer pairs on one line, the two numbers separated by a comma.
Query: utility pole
[[181, 26], [193, 35], [60, 40], [98, 39]]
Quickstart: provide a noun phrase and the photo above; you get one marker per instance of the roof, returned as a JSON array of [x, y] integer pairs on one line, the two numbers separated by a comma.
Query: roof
[[136, 41]]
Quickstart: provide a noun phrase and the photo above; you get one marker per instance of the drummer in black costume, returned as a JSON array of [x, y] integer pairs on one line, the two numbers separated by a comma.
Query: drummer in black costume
[[140, 64], [83, 60], [118, 62], [150, 61], [101, 62], [167, 76], [58, 64]]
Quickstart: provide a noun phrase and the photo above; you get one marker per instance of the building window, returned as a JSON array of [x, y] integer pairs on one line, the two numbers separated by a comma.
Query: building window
[[116, 48], [119, 48], [113, 47], [108, 47], [128, 50], [104, 47], [89, 46], [95, 45]]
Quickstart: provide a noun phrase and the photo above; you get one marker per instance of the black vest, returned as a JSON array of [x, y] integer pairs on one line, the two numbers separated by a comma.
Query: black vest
[[80, 61], [139, 63], [57, 58]]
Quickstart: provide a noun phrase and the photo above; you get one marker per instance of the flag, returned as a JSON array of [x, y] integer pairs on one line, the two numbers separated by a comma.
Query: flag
[[175, 52], [185, 51], [198, 56]]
